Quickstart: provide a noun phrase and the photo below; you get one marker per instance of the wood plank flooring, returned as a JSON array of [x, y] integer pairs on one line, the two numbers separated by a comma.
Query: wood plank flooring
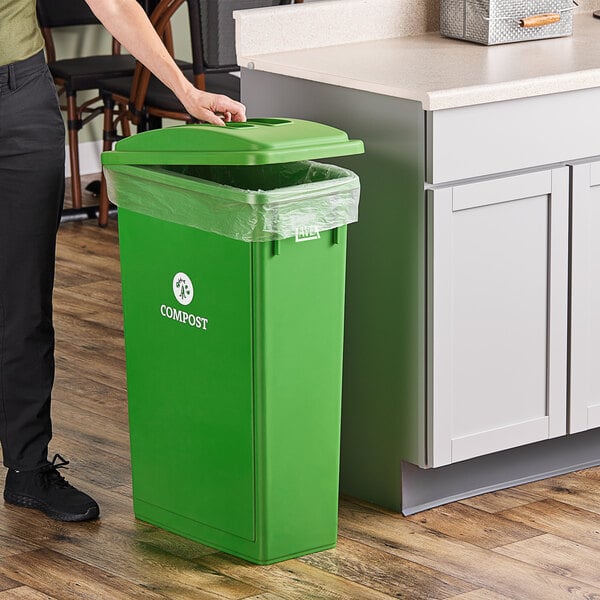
[[536, 541]]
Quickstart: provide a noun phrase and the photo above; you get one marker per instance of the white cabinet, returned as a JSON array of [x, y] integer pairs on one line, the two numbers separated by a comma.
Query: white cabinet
[[585, 299], [497, 290]]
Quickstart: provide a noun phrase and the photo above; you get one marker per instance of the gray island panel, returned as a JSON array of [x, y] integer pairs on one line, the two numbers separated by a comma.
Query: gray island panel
[[383, 414]]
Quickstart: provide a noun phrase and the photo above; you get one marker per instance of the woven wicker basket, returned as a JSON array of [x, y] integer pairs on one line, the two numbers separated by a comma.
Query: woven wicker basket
[[503, 21]]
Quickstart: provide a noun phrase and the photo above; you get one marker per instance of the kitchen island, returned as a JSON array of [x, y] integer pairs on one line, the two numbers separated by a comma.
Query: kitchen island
[[473, 291]]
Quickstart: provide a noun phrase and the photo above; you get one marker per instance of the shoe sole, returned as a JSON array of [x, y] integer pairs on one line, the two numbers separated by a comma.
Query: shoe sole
[[27, 502]]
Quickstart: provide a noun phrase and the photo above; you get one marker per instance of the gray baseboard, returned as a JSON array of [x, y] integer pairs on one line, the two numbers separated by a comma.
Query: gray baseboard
[[426, 488]]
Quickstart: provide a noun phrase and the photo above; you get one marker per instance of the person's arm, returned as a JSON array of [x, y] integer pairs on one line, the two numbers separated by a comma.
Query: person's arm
[[129, 24]]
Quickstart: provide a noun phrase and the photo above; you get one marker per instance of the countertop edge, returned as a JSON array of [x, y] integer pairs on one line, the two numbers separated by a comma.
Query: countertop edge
[[440, 99], [511, 90]]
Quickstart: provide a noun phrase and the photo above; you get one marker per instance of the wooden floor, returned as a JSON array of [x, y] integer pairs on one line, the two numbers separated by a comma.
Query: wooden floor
[[537, 541]]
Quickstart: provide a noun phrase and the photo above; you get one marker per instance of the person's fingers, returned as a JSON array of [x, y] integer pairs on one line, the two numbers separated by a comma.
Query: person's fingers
[[239, 117], [215, 108], [236, 109], [209, 116]]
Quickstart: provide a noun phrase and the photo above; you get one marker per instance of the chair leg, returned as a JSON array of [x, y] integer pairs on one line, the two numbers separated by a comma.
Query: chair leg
[[104, 204], [154, 122], [126, 129], [73, 126], [108, 136]]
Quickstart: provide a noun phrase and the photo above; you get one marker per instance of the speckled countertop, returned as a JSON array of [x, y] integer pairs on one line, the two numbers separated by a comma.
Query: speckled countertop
[[438, 72]]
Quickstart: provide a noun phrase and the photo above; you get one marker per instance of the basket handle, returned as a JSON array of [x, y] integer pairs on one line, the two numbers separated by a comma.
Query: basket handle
[[539, 20]]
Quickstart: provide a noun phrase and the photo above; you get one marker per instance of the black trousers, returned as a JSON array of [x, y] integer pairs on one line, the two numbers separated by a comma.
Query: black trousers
[[32, 146]]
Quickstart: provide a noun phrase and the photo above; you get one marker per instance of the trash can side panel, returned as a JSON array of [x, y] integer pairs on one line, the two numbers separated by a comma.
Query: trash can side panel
[[300, 311], [187, 307]]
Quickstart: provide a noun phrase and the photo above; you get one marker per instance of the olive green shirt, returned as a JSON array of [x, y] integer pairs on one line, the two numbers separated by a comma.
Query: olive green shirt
[[20, 35]]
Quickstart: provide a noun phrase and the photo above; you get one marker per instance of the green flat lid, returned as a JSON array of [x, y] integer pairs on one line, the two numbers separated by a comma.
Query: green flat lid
[[255, 142]]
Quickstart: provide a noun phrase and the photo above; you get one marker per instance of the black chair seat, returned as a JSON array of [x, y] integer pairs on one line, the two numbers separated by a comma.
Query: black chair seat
[[84, 73], [159, 96]]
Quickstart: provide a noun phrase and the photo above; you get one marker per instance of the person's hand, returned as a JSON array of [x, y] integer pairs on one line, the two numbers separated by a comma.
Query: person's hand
[[213, 108]]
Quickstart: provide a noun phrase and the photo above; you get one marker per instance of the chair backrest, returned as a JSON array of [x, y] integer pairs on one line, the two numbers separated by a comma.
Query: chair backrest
[[218, 30], [65, 13], [161, 21], [219, 39]]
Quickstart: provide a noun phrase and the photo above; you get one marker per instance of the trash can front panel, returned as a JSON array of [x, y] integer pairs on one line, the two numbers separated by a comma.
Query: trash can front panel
[[187, 299]]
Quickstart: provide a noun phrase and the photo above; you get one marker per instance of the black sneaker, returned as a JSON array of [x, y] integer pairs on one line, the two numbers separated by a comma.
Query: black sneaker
[[47, 490]]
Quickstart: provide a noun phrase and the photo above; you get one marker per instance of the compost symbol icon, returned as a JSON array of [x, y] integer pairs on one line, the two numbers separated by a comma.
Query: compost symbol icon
[[183, 289]]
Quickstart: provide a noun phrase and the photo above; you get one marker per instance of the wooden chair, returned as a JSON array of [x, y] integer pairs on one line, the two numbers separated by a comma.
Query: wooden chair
[[212, 33], [74, 75]]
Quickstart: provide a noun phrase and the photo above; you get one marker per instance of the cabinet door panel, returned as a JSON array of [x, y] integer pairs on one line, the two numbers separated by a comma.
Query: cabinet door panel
[[585, 299], [497, 314]]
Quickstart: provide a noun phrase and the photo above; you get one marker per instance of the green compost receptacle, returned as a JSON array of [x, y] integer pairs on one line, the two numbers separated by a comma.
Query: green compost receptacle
[[233, 250]]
